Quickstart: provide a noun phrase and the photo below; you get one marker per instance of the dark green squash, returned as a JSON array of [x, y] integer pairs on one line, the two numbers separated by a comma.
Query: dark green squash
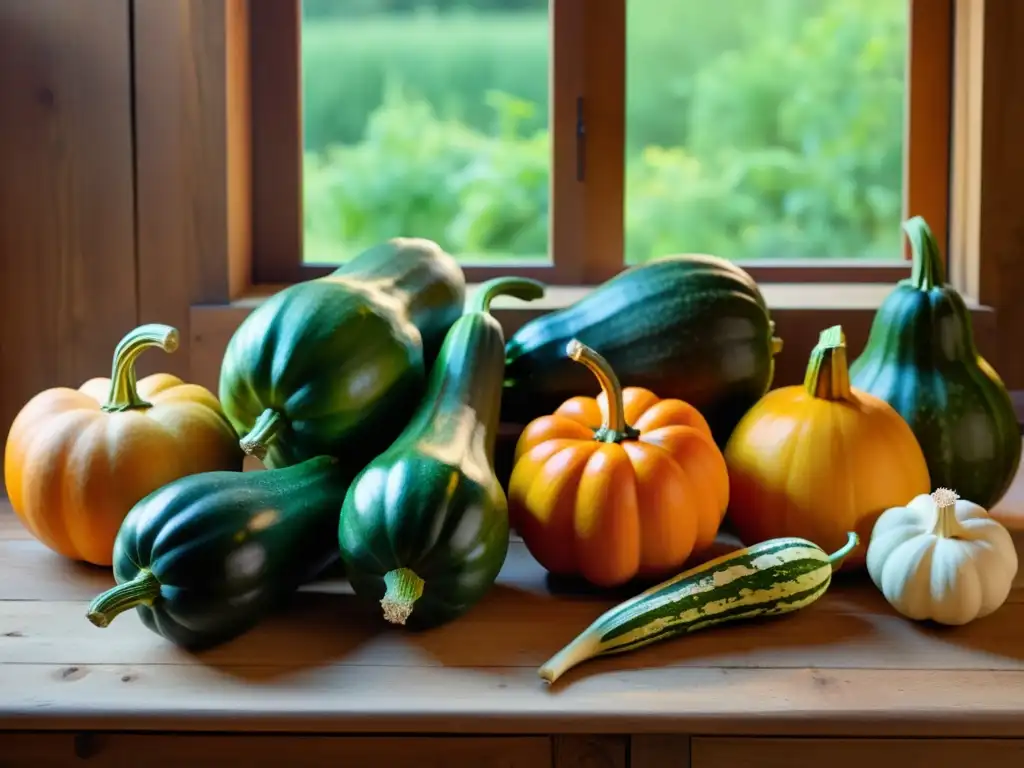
[[692, 327], [335, 366], [424, 528], [207, 556], [921, 359]]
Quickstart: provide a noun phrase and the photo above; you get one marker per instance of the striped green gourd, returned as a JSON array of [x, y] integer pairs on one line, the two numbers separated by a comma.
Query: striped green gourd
[[774, 577]]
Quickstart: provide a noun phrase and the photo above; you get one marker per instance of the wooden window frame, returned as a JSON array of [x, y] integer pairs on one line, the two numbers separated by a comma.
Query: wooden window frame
[[198, 195], [587, 215]]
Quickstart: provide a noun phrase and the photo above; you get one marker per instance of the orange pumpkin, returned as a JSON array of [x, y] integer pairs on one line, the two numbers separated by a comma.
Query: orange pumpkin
[[77, 460], [822, 459], [622, 486]]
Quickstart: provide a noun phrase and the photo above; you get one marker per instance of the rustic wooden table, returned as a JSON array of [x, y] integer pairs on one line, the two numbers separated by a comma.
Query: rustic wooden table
[[845, 682]]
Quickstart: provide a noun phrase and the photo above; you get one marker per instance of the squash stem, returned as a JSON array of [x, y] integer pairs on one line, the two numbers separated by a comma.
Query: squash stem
[[946, 524], [837, 557], [518, 287], [404, 588], [776, 342], [579, 650], [927, 270], [828, 375], [142, 590], [261, 436], [614, 429], [124, 395]]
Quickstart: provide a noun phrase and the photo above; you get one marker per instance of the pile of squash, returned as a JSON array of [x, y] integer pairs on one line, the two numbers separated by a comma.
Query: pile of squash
[[373, 397]]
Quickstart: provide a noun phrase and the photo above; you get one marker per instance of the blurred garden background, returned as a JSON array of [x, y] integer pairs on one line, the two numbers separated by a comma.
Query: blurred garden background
[[755, 128]]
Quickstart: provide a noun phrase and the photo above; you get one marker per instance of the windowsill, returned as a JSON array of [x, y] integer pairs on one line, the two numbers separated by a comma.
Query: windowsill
[[779, 296], [800, 311]]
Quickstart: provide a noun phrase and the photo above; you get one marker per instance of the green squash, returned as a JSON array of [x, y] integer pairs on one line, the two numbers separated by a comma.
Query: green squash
[[690, 326], [335, 366], [206, 557], [921, 359], [424, 528]]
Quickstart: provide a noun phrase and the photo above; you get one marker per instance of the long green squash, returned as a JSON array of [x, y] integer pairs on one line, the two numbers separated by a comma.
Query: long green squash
[[771, 578], [424, 528], [688, 326], [335, 366]]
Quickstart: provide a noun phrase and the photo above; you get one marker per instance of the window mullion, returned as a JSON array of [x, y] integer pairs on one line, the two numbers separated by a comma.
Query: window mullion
[[566, 241], [604, 108]]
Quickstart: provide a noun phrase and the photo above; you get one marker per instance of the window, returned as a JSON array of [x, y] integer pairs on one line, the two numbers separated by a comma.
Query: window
[[565, 139]]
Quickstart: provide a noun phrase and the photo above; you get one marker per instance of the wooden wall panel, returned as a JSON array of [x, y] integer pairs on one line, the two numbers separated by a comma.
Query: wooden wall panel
[[987, 237], [67, 256], [265, 751], [193, 159], [1002, 168]]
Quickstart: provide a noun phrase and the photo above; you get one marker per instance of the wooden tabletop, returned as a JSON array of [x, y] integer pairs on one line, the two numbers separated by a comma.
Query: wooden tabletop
[[847, 665]]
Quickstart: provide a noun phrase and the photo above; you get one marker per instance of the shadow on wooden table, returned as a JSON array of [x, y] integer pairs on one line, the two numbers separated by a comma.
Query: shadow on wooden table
[[992, 635], [318, 627], [727, 646]]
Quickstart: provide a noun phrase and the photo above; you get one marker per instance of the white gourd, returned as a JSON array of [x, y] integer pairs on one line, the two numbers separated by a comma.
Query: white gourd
[[941, 558]]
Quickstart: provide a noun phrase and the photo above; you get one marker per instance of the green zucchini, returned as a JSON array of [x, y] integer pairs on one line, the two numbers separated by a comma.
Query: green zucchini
[[921, 359], [204, 558], [425, 524], [335, 366], [774, 577], [689, 326]]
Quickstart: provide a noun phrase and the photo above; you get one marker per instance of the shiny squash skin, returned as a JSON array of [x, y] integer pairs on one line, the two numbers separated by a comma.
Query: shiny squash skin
[[690, 327], [424, 529], [921, 359], [336, 365], [77, 460], [624, 486], [205, 558], [822, 459]]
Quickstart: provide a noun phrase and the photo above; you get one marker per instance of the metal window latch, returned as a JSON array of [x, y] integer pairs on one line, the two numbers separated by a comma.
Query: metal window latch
[[581, 139]]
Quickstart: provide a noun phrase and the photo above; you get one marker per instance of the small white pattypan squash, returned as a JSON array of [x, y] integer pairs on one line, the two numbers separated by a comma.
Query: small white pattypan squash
[[941, 558]]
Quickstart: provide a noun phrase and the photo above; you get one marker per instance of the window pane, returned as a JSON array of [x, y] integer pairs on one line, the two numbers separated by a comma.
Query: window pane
[[765, 128], [426, 119]]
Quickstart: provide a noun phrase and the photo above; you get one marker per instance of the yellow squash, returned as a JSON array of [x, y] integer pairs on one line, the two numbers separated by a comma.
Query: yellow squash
[[820, 460], [77, 460]]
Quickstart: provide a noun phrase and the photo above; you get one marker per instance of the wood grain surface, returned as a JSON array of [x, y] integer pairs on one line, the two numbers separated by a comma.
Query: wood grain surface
[[847, 665]]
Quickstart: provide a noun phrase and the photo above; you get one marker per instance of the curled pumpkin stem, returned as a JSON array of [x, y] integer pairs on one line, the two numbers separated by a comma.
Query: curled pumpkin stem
[[614, 429], [124, 394]]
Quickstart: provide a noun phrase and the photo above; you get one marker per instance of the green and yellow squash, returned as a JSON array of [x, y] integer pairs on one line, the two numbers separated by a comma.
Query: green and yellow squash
[[921, 358], [424, 528], [335, 366], [691, 327], [206, 557], [768, 579]]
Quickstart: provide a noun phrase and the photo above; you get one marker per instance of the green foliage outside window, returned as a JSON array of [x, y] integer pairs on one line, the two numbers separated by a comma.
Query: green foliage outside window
[[754, 129]]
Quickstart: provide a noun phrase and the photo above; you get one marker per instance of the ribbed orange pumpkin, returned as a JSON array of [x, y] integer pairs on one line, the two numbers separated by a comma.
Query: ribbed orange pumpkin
[[77, 460], [622, 486]]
